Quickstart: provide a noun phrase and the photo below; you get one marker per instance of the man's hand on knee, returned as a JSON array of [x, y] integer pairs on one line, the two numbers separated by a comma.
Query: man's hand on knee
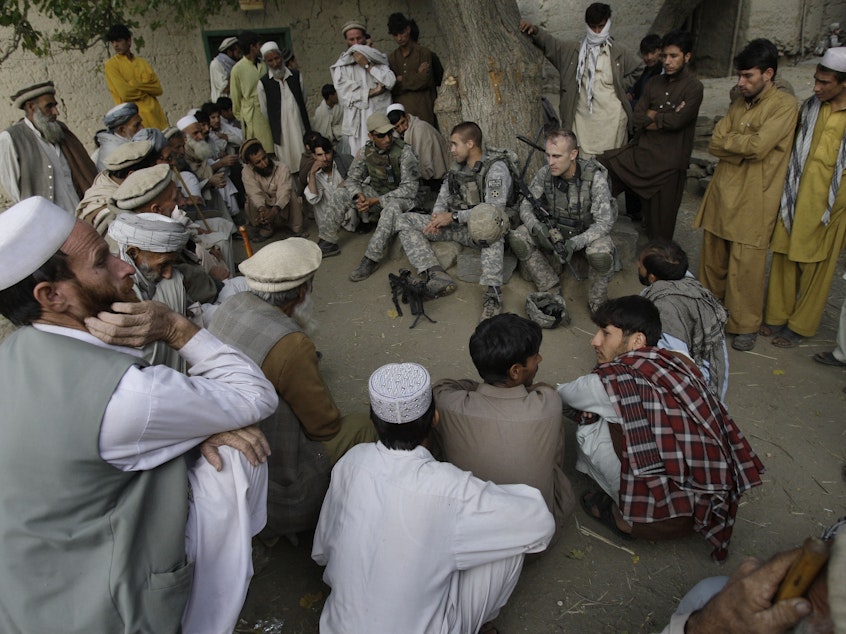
[[250, 441]]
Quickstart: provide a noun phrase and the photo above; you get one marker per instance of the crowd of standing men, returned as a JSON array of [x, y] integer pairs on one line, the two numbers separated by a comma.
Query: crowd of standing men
[[207, 421]]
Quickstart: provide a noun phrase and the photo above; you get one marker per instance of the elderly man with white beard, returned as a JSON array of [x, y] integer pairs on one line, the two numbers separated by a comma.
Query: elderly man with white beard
[[272, 324], [39, 156], [281, 96]]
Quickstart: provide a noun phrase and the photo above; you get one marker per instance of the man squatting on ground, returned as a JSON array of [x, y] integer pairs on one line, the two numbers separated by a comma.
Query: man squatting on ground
[[450, 546], [575, 192], [121, 540], [667, 456], [381, 185], [477, 176]]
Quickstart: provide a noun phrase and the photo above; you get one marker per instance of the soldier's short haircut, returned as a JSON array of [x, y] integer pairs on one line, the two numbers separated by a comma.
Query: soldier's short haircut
[[468, 131], [664, 259], [567, 135], [597, 13], [761, 54]]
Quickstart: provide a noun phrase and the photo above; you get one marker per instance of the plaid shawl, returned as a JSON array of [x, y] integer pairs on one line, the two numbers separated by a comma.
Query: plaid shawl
[[683, 454]]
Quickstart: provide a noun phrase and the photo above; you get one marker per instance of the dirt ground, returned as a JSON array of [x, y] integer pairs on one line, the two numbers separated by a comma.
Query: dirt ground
[[790, 408]]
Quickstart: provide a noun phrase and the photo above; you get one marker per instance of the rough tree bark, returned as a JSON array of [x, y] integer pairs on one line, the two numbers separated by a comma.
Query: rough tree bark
[[492, 71]]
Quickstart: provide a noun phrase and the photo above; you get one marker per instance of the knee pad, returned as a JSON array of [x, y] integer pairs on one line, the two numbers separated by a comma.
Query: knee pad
[[602, 263], [519, 245]]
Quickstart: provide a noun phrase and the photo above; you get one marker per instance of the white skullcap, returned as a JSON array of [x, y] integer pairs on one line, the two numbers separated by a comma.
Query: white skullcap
[[395, 107], [142, 187], [31, 232], [400, 392], [282, 265], [186, 121], [149, 232], [835, 59], [227, 43], [267, 47]]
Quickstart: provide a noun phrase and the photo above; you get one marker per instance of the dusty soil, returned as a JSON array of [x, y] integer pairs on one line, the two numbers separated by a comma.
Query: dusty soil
[[790, 408]]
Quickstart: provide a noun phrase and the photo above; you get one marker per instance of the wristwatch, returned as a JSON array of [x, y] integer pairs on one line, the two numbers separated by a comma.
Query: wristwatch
[[455, 217], [367, 66]]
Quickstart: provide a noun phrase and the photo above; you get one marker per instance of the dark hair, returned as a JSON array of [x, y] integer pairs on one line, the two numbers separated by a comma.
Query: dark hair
[[323, 143], [682, 39], [501, 341], [224, 103], [405, 436], [251, 151], [118, 32], [631, 314], [469, 131], [597, 13], [395, 115], [210, 108], [18, 304], [568, 135], [650, 43], [397, 23], [201, 116], [327, 91], [761, 54], [839, 76], [310, 137], [665, 260], [246, 39]]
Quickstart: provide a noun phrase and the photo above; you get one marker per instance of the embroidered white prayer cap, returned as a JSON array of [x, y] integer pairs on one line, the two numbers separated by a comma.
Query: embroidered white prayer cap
[[353, 24], [227, 43], [835, 59], [142, 187], [378, 122], [127, 155], [119, 115], [282, 265], [32, 92], [400, 392], [149, 232], [267, 47], [395, 107], [186, 121], [31, 232]]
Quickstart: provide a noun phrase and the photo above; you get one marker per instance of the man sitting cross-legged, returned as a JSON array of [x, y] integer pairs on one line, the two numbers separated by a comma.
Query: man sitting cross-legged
[[692, 320], [272, 323], [507, 429], [381, 185], [411, 544], [477, 176], [668, 457]]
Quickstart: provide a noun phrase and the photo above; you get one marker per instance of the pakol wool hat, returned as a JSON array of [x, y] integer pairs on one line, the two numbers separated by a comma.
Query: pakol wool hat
[[127, 155], [32, 92], [142, 187], [281, 266], [226, 44]]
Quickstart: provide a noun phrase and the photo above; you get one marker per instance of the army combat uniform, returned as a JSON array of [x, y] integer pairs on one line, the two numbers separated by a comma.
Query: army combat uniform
[[391, 176], [463, 188], [585, 213]]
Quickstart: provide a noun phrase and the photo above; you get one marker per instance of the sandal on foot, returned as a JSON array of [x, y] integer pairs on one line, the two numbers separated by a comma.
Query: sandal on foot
[[602, 503], [826, 358], [786, 339], [768, 330]]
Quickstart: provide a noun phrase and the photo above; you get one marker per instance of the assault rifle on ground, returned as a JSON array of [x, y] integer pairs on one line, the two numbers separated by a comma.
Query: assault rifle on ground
[[411, 292]]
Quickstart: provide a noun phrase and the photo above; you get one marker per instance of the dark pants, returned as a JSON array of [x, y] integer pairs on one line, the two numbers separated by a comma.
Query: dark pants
[[660, 211]]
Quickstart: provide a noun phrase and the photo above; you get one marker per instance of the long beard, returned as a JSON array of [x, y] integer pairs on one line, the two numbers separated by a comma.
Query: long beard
[[278, 73], [304, 315], [50, 130], [202, 150], [267, 171]]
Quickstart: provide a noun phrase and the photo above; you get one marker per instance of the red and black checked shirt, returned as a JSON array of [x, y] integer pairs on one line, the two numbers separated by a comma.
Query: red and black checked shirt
[[683, 454]]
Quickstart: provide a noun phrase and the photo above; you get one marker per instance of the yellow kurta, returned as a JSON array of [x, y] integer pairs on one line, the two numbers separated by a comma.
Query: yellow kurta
[[804, 260], [134, 80], [243, 90]]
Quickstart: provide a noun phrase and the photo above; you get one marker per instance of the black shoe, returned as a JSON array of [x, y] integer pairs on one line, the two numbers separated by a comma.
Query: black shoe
[[365, 269], [328, 249]]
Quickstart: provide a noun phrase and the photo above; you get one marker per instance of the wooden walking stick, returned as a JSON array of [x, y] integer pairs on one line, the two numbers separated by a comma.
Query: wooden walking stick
[[196, 206], [247, 246]]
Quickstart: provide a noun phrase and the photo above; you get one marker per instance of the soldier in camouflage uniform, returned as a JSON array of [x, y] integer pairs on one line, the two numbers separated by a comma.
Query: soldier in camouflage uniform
[[474, 177], [381, 184], [576, 194]]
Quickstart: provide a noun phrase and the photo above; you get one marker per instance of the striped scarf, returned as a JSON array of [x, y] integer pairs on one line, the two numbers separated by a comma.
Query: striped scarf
[[588, 54], [801, 148]]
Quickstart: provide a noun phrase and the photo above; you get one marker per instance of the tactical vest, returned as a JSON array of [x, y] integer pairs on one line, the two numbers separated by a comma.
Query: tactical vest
[[570, 200], [467, 184], [385, 169]]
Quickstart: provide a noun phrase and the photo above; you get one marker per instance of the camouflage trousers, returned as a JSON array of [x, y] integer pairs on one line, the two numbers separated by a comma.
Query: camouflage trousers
[[416, 245], [341, 211], [599, 254]]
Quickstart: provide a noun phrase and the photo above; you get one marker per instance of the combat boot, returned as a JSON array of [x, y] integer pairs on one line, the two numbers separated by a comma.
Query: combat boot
[[365, 269], [492, 303], [439, 283], [328, 249]]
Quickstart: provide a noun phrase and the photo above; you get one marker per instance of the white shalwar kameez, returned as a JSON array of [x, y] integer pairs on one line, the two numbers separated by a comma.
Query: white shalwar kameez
[[291, 122], [224, 391], [417, 546]]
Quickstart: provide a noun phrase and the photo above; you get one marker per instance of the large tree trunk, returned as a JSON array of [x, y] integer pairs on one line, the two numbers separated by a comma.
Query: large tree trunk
[[493, 75]]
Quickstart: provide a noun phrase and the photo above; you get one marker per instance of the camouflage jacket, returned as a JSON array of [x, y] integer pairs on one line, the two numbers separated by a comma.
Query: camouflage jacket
[[405, 192]]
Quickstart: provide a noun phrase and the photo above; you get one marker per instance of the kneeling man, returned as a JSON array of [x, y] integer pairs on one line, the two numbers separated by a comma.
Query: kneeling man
[[667, 455]]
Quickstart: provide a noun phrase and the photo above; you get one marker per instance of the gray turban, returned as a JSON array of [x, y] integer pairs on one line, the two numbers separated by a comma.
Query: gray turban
[[120, 115]]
